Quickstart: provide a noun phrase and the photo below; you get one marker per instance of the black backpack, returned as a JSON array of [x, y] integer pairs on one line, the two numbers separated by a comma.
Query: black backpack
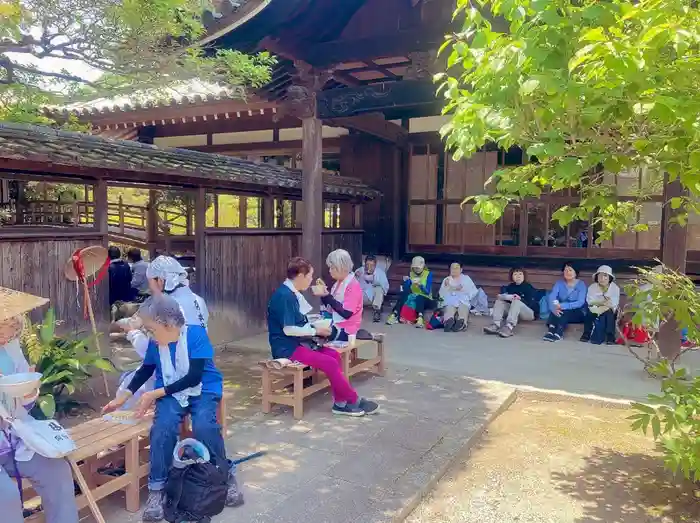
[[196, 492]]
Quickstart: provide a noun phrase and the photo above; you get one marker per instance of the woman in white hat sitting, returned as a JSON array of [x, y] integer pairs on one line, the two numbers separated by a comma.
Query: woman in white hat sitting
[[51, 478], [603, 300]]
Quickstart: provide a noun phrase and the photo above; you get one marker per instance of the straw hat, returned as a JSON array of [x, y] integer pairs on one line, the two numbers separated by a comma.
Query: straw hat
[[14, 303], [93, 257]]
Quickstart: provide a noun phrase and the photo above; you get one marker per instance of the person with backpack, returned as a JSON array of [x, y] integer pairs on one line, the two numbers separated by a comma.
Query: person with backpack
[[567, 303], [186, 381]]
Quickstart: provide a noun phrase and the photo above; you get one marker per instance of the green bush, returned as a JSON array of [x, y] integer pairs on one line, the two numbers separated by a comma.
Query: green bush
[[64, 362], [675, 421]]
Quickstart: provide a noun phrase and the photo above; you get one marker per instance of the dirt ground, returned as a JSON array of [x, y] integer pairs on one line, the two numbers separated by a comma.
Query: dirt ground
[[560, 462], [241, 385]]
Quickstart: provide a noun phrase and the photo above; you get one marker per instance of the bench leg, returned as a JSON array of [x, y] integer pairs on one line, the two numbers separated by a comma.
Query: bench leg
[[133, 500], [299, 394], [266, 391], [85, 489], [345, 358], [381, 368]]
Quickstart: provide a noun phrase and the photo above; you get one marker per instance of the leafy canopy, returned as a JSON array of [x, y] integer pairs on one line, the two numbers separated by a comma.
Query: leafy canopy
[[62, 50], [586, 87]]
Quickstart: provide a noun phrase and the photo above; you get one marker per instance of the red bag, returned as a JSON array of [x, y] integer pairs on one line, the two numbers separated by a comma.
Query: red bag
[[408, 314], [635, 333]]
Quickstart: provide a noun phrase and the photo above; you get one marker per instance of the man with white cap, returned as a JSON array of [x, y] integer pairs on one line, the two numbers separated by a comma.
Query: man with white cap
[[603, 299], [51, 478], [417, 287]]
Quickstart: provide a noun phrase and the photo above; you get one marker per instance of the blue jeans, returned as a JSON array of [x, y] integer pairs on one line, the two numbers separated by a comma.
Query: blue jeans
[[166, 430]]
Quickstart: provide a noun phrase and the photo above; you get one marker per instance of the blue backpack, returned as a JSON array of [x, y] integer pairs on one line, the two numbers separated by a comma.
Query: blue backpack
[[544, 307]]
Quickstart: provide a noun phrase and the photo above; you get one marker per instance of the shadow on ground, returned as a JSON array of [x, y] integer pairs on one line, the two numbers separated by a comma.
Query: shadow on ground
[[618, 487]]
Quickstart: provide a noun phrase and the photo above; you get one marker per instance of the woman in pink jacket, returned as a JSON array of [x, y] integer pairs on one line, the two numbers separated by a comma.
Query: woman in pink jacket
[[344, 301]]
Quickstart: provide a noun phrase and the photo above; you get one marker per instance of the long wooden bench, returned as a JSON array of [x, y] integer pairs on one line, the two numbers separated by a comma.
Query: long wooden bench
[[101, 443], [277, 382]]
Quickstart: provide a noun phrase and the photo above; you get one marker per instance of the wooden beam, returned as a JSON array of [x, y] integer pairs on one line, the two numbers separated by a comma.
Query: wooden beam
[[269, 148], [177, 112], [101, 204], [374, 125], [337, 103], [399, 43], [312, 192], [200, 242], [258, 122]]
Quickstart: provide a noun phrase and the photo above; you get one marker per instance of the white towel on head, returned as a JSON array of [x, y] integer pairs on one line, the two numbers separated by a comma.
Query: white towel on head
[[172, 373], [169, 270]]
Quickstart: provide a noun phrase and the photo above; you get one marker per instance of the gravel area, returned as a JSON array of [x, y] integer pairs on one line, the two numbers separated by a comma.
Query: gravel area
[[560, 461]]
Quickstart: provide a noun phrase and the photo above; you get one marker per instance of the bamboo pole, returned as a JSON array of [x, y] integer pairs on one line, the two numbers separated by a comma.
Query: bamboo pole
[[91, 314]]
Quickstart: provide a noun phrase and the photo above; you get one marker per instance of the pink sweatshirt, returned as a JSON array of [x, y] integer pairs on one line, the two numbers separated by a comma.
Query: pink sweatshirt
[[352, 301]]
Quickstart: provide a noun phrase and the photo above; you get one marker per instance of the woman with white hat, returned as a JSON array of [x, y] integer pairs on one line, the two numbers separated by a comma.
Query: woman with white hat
[[417, 286], [603, 300], [51, 478]]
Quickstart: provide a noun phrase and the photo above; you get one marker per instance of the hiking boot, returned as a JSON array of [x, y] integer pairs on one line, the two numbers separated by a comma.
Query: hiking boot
[[349, 409], [492, 329], [449, 325], [460, 325], [234, 495], [370, 407], [420, 322], [154, 506], [506, 331], [376, 316], [392, 319]]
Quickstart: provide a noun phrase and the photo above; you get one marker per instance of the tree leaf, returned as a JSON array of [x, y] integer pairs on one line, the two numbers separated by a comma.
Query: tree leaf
[[47, 404]]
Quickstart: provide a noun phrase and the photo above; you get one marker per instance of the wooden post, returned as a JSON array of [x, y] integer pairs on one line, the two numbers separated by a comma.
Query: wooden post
[[19, 203], [312, 191], [121, 214], [101, 218], [152, 223], [200, 224], [268, 212], [674, 252]]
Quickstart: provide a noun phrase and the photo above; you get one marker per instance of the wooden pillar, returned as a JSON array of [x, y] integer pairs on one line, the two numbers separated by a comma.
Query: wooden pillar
[[19, 203], [312, 191], [200, 225], [268, 212], [674, 252], [152, 223], [101, 210]]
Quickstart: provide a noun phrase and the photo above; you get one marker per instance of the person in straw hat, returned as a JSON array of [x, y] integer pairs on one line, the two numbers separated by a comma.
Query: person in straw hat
[[603, 298], [51, 478]]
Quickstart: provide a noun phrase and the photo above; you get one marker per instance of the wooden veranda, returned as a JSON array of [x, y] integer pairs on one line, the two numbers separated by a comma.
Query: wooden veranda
[[238, 262]]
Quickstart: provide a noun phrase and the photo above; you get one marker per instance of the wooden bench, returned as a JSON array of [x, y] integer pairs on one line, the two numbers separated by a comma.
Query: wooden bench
[[275, 382], [100, 443]]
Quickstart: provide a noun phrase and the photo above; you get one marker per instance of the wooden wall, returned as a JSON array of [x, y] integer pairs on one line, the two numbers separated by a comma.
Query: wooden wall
[[377, 164], [35, 265], [242, 269]]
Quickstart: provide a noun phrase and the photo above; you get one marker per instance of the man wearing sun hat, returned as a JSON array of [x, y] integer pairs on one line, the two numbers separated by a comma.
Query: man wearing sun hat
[[51, 478]]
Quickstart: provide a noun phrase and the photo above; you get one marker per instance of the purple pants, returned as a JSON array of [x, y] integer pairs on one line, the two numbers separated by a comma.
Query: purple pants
[[327, 361]]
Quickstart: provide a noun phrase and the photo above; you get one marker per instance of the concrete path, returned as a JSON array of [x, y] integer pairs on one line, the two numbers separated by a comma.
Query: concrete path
[[523, 361], [326, 469]]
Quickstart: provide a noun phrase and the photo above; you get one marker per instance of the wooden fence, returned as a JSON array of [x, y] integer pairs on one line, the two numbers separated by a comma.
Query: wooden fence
[[36, 265], [243, 268]]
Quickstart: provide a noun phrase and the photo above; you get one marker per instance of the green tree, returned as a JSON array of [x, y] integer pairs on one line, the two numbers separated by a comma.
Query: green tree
[[53, 51], [586, 87]]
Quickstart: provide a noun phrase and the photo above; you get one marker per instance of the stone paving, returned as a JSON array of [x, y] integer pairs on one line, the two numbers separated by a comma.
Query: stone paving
[[375, 469]]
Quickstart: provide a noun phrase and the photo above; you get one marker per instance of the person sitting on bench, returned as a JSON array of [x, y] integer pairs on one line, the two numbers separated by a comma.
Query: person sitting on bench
[[567, 303], [51, 478], [293, 337], [517, 301], [603, 300], [187, 381], [416, 288], [457, 292], [375, 286], [344, 301]]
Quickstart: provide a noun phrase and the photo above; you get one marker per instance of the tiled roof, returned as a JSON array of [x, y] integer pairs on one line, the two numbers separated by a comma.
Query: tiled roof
[[69, 149], [194, 91]]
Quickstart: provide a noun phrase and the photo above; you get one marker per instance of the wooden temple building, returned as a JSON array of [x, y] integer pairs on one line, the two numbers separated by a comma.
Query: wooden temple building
[[341, 148]]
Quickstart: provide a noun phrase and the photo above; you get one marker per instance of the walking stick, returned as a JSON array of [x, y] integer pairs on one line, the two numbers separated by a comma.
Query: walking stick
[[91, 313]]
